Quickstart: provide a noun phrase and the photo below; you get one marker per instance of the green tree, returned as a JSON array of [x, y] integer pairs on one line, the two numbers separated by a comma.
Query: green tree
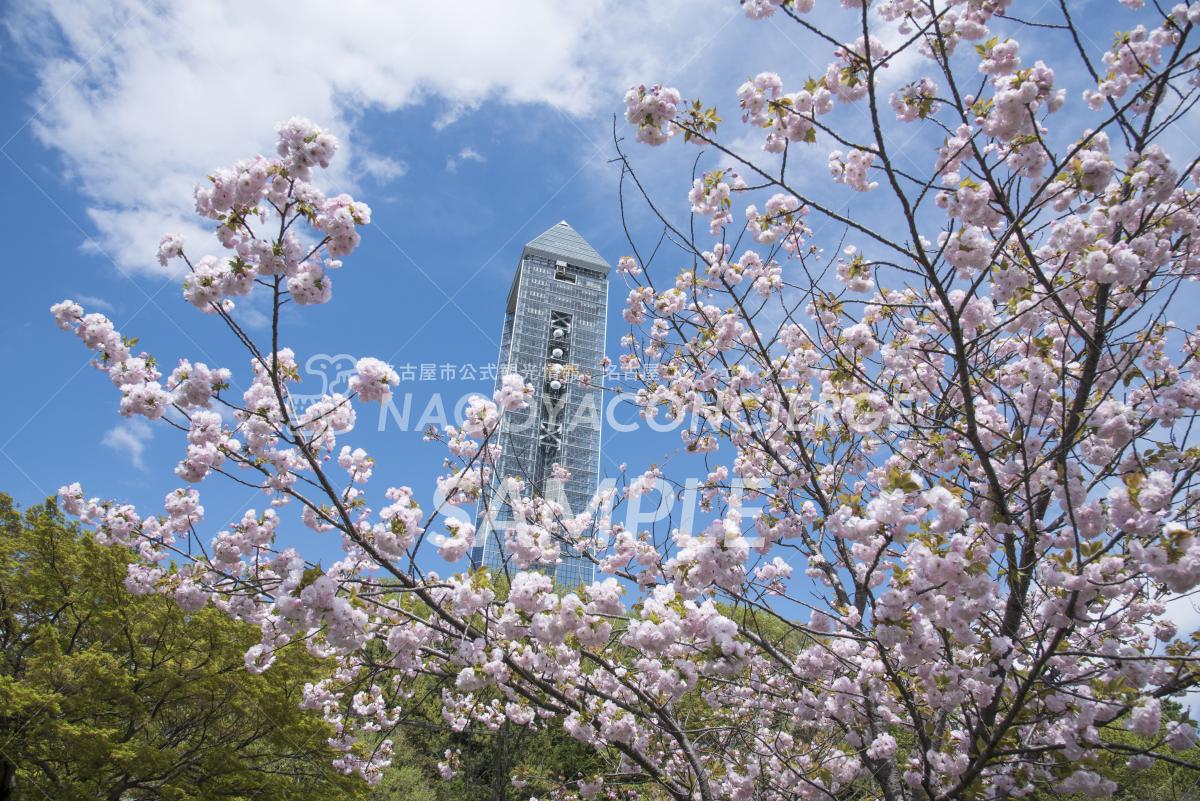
[[107, 695], [1172, 776], [512, 763], [515, 763]]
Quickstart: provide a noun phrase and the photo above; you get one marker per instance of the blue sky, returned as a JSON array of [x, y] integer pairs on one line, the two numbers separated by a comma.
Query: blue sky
[[467, 133], [465, 149]]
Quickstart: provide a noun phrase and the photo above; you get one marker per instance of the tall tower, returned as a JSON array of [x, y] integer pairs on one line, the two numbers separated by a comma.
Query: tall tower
[[553, 335]]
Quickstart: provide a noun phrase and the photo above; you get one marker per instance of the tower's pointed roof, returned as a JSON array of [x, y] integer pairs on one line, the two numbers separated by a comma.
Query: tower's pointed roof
[[564, 242]]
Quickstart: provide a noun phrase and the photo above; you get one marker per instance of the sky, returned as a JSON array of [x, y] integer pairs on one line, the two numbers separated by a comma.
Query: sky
[[468, 132]]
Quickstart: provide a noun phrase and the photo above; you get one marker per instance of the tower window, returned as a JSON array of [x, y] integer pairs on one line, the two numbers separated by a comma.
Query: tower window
[[561, 274]]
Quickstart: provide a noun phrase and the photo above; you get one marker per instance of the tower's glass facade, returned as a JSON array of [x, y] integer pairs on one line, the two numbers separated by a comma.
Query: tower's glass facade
[[553, 335]]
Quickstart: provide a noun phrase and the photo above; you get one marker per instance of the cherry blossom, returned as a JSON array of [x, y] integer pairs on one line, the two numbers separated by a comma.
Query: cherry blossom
[[373, 379], [652, 111], [943, 437]]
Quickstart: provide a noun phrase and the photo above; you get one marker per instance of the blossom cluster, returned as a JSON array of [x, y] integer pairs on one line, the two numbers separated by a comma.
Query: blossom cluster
[[653, 112], [852, 169], [955, 584], [249, 192]]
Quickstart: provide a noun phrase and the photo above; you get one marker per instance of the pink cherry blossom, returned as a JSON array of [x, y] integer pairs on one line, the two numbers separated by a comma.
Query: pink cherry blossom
[[936, 492], [373, 379]]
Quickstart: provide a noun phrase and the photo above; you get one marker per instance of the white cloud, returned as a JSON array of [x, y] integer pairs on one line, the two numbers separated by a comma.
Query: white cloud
[[468, 153], [130, 438], [382, 168], [92, 302], [253, 311], [1183, 612], [141, 104], [454, 113]]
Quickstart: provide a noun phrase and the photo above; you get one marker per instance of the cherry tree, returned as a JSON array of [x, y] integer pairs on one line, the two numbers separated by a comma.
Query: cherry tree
[[927, 328]]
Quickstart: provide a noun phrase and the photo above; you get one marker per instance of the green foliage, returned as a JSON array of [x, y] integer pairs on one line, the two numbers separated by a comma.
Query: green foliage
[[107, 695], [1167, 779], [514, 763]]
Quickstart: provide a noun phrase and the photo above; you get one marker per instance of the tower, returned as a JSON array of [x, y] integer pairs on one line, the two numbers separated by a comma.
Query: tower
[[553, 336]]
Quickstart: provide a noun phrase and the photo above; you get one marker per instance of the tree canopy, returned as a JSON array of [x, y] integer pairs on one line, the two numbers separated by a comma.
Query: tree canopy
[[943, 396], [109, 695]]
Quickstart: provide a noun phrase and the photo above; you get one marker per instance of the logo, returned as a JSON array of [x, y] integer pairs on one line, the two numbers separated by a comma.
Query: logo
[[324, 375]]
